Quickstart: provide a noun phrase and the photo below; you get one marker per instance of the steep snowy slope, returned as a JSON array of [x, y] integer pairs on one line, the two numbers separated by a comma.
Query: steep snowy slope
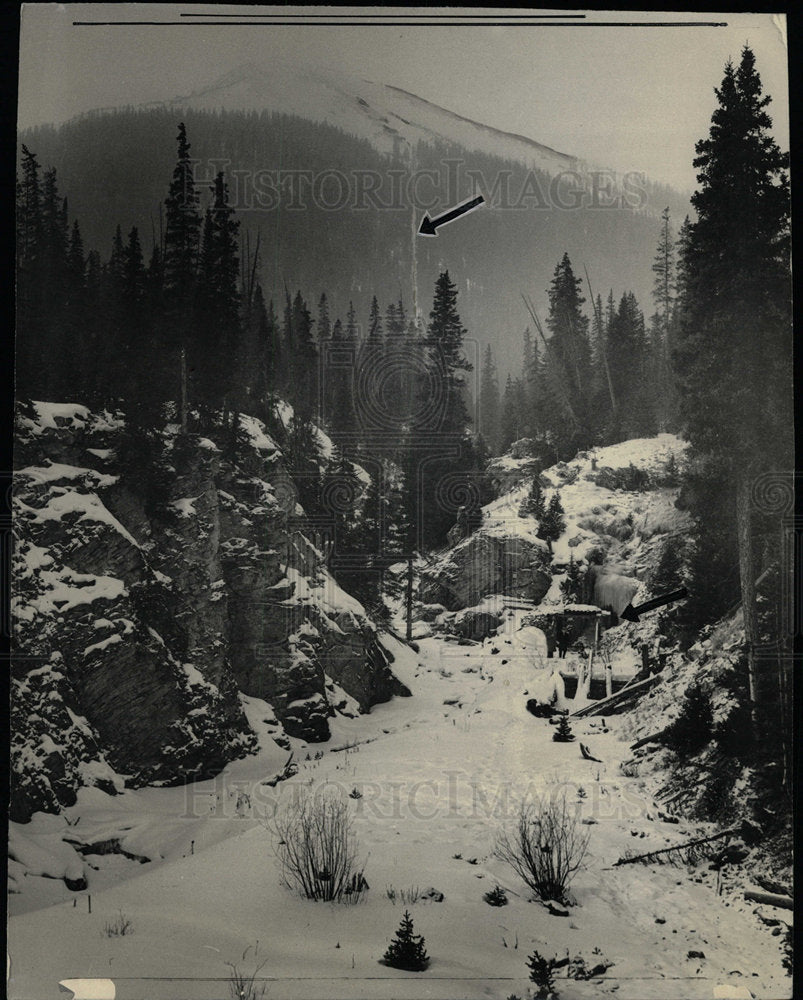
[[619, 509], [386, 116]]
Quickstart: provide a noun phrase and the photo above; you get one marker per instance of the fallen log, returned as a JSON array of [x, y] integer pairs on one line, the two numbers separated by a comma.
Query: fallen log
[[772, 886], [677, 849], [587, 755], [621, 696], [354, 745], [770, 899], [652, 738], [288, 771]]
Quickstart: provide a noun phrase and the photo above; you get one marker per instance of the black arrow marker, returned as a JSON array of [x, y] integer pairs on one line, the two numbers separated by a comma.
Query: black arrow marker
[[631, 614], [429, 226]]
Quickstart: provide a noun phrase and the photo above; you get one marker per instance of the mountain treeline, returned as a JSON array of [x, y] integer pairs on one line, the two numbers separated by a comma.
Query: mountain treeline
[[590, 376], [188, 336], [113, 165]]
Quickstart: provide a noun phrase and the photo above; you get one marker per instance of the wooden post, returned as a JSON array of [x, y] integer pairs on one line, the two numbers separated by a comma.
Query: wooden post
[[409, 598], [192, 847], [608, 666], [591, 661], [89, 901]]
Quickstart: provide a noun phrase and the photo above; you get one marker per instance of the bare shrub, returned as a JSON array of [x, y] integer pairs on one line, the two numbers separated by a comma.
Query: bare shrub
[[546, 845], [407, 896], [318, 850], [118, 927], [245, 987], [410, 896]]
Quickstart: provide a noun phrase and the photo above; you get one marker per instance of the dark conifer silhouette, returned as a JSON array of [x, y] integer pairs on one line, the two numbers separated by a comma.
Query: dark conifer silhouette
[[406, 950]]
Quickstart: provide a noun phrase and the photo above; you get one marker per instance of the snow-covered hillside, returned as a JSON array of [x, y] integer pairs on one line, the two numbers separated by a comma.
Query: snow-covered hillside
[[619, 505], [388, 117], [429, 781]]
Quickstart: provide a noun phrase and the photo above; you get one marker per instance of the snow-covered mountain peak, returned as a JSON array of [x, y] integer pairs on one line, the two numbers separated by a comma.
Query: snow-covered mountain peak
[[389, 117]]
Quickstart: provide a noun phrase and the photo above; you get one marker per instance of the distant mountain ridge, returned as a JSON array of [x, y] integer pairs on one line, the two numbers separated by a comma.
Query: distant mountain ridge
[[366, 112], [115, 165]]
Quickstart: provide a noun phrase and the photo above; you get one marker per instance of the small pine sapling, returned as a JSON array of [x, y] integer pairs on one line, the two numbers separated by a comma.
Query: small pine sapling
[[406, 950], [541, 974], [496, 896], [563, 734], [533, 505], [553, 523]]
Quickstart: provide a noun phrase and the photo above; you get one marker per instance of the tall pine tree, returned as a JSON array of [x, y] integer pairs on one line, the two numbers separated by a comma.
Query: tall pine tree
[[734, 351], [489, 402], [182, 233]]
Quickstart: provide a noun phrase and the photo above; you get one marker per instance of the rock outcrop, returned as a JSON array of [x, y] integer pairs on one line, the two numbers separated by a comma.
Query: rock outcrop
[[484, 564], [525, 458], [619, 513], [138, 623]]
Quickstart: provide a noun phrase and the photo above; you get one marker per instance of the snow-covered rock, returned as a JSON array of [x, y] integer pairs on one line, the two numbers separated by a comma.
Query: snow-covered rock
[[488, 563], [525, 458], [619, 506], [137, 626]]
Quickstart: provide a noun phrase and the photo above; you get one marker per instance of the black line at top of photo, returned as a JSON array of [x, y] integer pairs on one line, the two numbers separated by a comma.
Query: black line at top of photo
[[511, 17], [405, 24]]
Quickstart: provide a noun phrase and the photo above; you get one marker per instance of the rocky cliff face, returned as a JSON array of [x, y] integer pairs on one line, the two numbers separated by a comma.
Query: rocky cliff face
[[619, 510], [137, 625]]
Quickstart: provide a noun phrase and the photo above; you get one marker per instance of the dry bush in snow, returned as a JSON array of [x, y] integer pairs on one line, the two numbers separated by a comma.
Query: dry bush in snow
[[545, 845], [318, 850]]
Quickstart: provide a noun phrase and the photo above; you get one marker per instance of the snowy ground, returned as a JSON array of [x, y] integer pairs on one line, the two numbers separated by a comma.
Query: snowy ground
[[438, 773]]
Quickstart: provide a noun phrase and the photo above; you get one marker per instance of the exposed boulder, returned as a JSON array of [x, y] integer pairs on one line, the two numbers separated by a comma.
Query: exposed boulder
[[477, 623], [486, 564]]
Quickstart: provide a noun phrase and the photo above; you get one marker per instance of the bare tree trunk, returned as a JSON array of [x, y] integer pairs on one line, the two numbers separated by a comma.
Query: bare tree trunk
[[253, 279], [602, 344], [183, 403], [748, 587], [409, 599]]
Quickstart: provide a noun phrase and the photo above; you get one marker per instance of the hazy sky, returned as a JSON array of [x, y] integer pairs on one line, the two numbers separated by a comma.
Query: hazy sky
[[625, 97]]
